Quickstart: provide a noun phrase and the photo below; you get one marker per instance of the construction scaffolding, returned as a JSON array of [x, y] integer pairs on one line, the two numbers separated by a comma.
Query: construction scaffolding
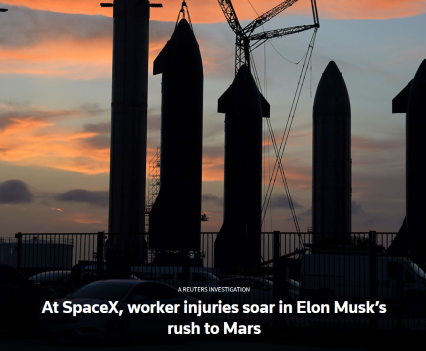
[[153, 186]]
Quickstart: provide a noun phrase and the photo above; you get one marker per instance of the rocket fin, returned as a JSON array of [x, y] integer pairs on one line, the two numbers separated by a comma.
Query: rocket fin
[[400, 245], [400, 102], [226, 101], [160, 61], [266, 108]]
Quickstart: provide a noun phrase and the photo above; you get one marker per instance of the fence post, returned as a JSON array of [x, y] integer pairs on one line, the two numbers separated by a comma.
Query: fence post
[[100, 255], [277, 278], [185, 269], [399, 302], [373, 275], [19, 250]]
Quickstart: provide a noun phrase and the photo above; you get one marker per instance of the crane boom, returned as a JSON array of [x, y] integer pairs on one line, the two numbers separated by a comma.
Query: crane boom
[[244, 36], [277, 33], [244, 47], [230, 15], [258, 22]]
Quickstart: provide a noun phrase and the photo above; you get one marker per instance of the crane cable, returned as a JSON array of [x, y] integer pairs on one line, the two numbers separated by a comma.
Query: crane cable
[[294, 63], [280, 153], [286, 187], [291, 115], [182, 11]]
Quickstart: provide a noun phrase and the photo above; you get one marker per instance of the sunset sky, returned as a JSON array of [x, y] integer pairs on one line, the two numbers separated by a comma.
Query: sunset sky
[[55, 96]]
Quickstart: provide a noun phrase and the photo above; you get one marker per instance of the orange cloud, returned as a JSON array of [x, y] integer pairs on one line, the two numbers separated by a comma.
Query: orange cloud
[[67, 58], [366, 144], [298, 176], [34, 136], [31, 137], [208, 11], [84, 218], [212, 168]]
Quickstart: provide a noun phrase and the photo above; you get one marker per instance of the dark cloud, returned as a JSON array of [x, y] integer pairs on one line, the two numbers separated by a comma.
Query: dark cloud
[[92, 109], [102, 128], [15, 103], [213, 199], [357, 209], [44, 203], [367, 144], [99, 142], [308, 212], [93, 198], [154, 120], [23, 27], [11, 111], [281, 201], [103, 139], [15, 192], [212, 152]]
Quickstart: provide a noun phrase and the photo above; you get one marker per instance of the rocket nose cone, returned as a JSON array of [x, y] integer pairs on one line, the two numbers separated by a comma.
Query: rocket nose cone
[[421, 71], [244, 80], [182, 28], [416, 99], [184, 23], [243, 74], [181, 54], [331, 69], [331, 88], [184, 33], [332, 79]]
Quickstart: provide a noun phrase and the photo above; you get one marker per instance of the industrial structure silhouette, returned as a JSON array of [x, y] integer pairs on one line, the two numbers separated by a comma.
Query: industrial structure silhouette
[[326, 265]]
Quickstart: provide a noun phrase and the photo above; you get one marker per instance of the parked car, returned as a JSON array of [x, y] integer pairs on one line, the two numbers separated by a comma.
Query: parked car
[[63, 281], [111, 327], [20, 298], [261, 291], [346, 277]]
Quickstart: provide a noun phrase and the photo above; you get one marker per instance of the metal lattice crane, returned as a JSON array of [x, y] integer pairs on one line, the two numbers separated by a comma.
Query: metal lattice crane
[[245, 36], [246, 42]]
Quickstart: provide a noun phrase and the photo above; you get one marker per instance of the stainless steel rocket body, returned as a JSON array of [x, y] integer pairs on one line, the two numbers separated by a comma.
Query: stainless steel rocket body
[[175, 218], [238, 243], [331, 183], [415, 155]]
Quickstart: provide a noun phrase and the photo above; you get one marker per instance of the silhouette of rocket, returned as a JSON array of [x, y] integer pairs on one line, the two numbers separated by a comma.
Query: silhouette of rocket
[[412, 101], [239, 240], [331, 178], [175, 218]]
